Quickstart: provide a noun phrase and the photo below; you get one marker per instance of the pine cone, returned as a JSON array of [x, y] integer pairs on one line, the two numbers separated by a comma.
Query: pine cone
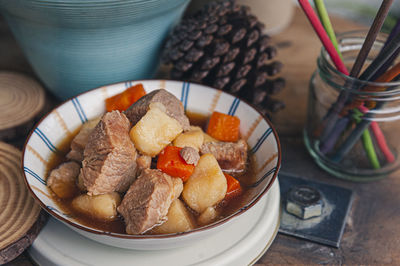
[[222, 46]]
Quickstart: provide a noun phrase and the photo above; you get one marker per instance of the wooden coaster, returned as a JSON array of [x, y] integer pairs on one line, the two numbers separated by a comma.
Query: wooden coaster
[[18, 210], [21, 99]]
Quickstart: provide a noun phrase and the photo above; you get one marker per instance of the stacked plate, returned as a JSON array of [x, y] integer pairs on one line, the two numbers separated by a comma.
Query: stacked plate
[[242, 243]]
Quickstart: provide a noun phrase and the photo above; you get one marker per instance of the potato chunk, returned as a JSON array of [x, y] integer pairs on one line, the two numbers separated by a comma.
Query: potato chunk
[[208, 138], [102, 207], [179, 219], [208, 216], [192, 138], [206, 186], [154, 131]]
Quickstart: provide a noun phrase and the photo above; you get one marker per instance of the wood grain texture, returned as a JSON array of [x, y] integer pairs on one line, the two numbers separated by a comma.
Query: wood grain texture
[[14, 251], [372, 235], [21, 100], [18, 210]]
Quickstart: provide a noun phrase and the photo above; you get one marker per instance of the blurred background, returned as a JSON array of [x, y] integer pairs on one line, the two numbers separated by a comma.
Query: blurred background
[[363, 11]]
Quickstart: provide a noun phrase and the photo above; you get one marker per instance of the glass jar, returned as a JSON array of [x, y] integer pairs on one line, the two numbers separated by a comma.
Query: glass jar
[[359, 141]]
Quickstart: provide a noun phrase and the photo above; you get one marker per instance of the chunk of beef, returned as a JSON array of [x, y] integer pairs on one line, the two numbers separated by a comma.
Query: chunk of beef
[[109, 162], [79, 141], [147, 201], [75, 155], [62, 180], [190, 155], [231, 156], [174, 107]]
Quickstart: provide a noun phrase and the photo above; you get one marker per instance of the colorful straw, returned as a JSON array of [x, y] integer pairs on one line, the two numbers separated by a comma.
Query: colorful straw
[[352, 139], [323, 14], [326, 22], [385, 77], [328, 145], [368, 145], [394, 32], [388, 54], [333, 114], [329, 47], [382, 58], [360, 60], [319, 29], [369, 148], [356, 134], [380, 139], [371, 36]]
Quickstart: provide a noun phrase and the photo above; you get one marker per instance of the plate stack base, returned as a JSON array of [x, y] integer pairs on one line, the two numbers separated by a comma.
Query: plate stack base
[[242, 243]]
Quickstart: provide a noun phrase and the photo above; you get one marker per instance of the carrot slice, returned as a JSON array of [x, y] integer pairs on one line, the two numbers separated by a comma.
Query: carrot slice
[[234, 189], [170, 162], [223, 127], [123, 100]]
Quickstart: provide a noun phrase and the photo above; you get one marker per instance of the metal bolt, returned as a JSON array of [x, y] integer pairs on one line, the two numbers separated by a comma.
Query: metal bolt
[[304, 202]]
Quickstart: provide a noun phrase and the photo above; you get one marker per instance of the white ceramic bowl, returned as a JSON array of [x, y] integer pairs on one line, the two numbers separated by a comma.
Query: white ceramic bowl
[[66, 118]]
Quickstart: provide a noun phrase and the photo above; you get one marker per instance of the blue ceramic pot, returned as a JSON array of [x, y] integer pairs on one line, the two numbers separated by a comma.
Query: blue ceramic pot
[[77, 45]]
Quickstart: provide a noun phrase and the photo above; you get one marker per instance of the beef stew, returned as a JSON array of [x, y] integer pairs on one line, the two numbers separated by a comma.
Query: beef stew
[[193, 216]]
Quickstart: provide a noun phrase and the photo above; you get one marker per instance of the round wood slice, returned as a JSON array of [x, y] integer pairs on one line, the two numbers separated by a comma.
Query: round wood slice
[[18, 210], [21, 99]]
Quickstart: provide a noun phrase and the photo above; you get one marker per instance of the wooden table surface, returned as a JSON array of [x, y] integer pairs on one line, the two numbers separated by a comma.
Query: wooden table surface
[[372, 234]]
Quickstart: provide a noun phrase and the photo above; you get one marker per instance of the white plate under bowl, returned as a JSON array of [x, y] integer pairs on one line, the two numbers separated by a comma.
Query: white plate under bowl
[[242, 243]]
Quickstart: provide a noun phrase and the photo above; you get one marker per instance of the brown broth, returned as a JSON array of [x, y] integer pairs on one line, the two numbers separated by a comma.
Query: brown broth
[[197, 119], [225, 208]]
